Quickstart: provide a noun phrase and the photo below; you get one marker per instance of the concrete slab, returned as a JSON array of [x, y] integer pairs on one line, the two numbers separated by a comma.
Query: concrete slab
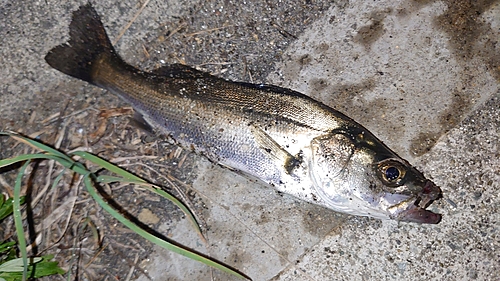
[[422, 75]]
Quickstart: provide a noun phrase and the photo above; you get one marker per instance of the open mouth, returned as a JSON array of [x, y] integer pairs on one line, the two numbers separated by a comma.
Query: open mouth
[[413, 210], [417, 214]]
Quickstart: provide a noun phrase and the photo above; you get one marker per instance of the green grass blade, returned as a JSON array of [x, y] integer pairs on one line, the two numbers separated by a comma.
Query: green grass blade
[[79, 168], [38, 145], [70, 164], [58, 178], [50, 153], [24, 157], [107, 165], [7, 208], [131, 178], [18, 218], [108, 179], [16, 265], [6, 246], [165, 244], [156, 189]]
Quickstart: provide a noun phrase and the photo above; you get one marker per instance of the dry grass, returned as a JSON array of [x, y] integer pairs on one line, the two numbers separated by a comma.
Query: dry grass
[[64, 220]]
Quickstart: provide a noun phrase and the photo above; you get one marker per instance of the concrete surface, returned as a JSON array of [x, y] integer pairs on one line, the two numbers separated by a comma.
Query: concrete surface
[[422, 75]]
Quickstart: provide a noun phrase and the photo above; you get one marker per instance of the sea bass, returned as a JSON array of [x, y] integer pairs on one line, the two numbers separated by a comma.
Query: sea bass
[[286, 139]]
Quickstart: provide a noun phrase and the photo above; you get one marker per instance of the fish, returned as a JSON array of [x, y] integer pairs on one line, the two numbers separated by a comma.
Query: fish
[[285, 139]]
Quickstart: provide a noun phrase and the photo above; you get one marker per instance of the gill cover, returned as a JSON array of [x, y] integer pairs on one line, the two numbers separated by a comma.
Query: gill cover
[[331, 154]]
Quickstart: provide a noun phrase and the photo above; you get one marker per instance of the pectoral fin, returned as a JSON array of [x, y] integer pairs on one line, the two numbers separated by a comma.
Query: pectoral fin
[[275, 151]]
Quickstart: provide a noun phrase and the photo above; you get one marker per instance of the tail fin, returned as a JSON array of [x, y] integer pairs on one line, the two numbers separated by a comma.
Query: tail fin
[[88, 42]]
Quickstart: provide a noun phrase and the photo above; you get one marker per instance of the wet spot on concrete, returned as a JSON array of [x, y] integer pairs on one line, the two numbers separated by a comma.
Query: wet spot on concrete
[[453, 114], [247, 207], [469, 34], [265, 217], [318, 84], [462, 22], [318, 221], [470, 38], [402, 11], [423, 143], [344, 93], [235, 257], [448, 119], [305, 59], [368, 34], [323, 47]]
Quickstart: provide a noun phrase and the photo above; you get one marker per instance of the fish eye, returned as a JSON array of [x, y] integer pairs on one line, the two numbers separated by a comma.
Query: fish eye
[[391, 172]]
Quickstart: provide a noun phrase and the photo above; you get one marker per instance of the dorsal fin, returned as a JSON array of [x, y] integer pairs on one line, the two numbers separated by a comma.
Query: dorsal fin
[[272, 88], [178, 70]]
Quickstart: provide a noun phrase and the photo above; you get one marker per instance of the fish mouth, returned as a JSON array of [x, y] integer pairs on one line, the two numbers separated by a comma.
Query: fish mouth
[[413, 209]]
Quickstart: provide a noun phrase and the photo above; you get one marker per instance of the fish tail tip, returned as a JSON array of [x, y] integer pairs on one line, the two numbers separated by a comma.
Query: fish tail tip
[[88, 42]]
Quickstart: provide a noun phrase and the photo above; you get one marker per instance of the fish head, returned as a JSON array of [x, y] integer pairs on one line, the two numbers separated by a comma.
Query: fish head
[[353, 172]]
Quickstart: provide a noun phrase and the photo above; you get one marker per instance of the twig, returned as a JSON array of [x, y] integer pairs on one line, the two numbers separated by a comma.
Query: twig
[[208, 30], [122, 159], [130, 22], [6, 186], [132, 268], [177, 29], [283, 31]]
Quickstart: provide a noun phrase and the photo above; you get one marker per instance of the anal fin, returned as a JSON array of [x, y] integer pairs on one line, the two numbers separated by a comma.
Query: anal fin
[[138, 121]]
